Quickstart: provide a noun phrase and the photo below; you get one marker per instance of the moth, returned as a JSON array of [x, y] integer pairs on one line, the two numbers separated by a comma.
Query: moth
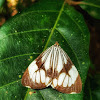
[[54, 68]]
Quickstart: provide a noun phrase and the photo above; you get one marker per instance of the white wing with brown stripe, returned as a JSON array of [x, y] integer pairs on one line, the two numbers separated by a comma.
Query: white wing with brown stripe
[[53, 67]]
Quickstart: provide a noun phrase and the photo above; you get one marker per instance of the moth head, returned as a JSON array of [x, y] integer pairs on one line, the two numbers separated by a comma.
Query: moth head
[[56, 43]]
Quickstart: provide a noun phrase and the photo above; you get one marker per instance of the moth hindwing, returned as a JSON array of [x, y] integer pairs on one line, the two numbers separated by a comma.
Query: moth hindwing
[[53, 68]]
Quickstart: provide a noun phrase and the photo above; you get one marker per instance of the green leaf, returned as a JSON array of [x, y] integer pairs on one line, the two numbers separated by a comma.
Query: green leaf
[[1, 2], [95, 86], [92, 7], [92, 87], [27, 34]]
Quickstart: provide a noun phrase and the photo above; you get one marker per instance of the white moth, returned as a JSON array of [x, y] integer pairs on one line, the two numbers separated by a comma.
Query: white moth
[[53, 68]]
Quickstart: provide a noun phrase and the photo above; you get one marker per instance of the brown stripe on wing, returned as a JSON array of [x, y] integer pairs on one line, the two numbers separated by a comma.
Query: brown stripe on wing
[[49, 72], [74, 88], [39, 61], [40, 65], [27, 82], [68, 66], [65, 69], [55, 74]]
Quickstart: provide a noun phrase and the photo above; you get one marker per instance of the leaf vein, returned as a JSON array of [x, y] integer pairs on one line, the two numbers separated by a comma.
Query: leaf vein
[[40, 11], [16, 33], [10, 83], [18, 56]]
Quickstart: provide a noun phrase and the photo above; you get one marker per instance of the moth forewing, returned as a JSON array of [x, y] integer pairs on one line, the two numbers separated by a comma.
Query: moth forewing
[[53, 67], [37, 76]]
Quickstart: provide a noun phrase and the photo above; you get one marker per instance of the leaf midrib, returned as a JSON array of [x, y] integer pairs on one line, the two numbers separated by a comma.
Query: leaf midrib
[[52, 31], [54, 27]]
